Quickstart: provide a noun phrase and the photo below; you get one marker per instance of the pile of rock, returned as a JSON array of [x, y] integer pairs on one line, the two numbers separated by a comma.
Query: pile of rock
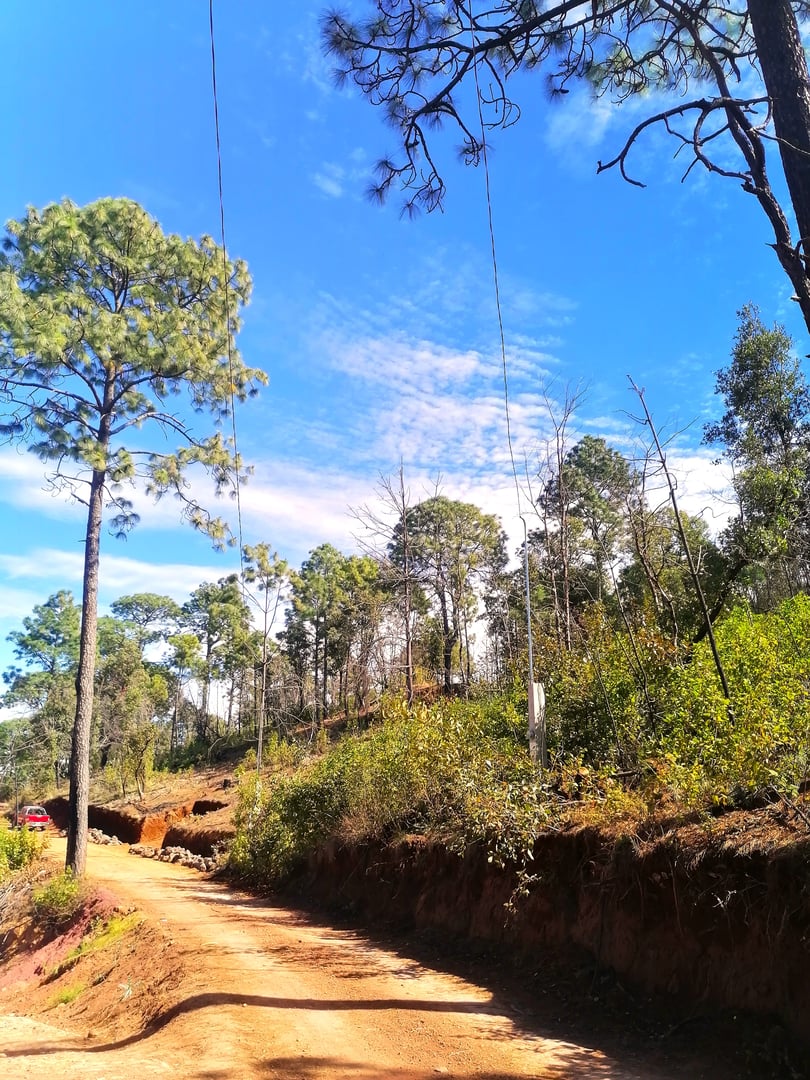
[[96, 836], [174, 855]]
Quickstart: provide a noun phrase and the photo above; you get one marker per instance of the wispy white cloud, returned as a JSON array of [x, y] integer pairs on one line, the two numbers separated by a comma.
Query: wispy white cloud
[[314, 66], [43, 564], [24, 485], [414, 375], [118, 574], [335, 179], [575, 125], [16, 603], [295, 507], [408, 362], [328, 183], [703, 487], [46, 571], [433, 405], [580, 128], [448, 297], [298, 55]]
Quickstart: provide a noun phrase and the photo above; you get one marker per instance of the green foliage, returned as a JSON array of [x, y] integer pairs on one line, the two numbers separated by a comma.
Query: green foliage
[[765, 434], [217, 615], [719, 751], [456, 769], [190, 754], [152, 324], [332, 626], [648, 708], [56, 902], [104, 320], [108, 932], [128, 700], [275, 828], [603, 698], [596, 481], [44, 686], [460, 771], [18, 848], [147, 617], [279, 754], [67, 994], [656, 584], [102, 934], [49, 640], [449, 550]]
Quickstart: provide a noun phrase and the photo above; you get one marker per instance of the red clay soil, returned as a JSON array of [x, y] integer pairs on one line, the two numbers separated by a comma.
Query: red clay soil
[[38, 951], [200, 821], [215, 985], [717, 914], [714, 913]]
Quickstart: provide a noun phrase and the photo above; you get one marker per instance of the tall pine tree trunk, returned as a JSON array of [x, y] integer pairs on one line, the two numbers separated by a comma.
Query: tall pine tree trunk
[[317, 671], [76, 857], [784, 70], [325, 681], [448, 642]]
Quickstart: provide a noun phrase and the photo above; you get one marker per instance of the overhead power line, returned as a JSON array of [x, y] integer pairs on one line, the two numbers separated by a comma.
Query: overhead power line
[[537, 745], [225, 277]]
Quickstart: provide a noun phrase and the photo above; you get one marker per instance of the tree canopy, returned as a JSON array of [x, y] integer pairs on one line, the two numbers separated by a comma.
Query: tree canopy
[[764, 434], [452, 547], [727, 79], [104, 319]]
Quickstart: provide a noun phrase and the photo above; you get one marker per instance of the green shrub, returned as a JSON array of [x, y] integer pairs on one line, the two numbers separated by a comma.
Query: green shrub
[[604, 696], [641, 708], [67, 995], [719, 751], [458, 769], [279, 754], [18, 848], [631, 721], [56, 902]]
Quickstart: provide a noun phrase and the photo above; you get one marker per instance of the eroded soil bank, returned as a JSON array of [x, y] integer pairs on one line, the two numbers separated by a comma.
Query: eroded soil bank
[[212, 983], [715, 912], [199, 823]]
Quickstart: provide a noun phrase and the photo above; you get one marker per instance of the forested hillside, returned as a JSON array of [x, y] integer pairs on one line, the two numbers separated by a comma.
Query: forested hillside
[[640, 701], [669, 648]]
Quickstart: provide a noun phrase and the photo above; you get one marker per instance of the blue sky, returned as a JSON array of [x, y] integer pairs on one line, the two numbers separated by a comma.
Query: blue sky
[[378, 333]]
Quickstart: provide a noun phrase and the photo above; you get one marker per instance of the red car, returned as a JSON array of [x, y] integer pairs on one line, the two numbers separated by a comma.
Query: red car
[[33, 817]]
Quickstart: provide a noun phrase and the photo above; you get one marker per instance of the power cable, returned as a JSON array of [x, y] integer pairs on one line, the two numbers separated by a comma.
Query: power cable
[[225, 276], [495, 274], [237, 485], [505, 368]]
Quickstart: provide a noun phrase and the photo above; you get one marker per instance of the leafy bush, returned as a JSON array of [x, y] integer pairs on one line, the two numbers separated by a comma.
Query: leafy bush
[[18, 848], [719, 751], [641, 708], [57, 901], [604, 696], [630, 721], [278, 753], [459, 769]]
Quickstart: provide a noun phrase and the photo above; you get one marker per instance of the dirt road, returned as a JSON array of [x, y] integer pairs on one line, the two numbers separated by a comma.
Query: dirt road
[[264, 992]]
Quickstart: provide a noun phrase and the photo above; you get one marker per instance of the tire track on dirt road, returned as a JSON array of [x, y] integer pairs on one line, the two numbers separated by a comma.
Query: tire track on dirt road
[[269, 993]]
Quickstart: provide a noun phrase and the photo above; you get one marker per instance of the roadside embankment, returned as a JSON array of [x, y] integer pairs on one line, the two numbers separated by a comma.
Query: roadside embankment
[[716, 912]]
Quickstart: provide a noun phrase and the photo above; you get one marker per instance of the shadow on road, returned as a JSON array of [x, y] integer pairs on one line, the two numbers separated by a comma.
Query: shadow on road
[[206, 1001]]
